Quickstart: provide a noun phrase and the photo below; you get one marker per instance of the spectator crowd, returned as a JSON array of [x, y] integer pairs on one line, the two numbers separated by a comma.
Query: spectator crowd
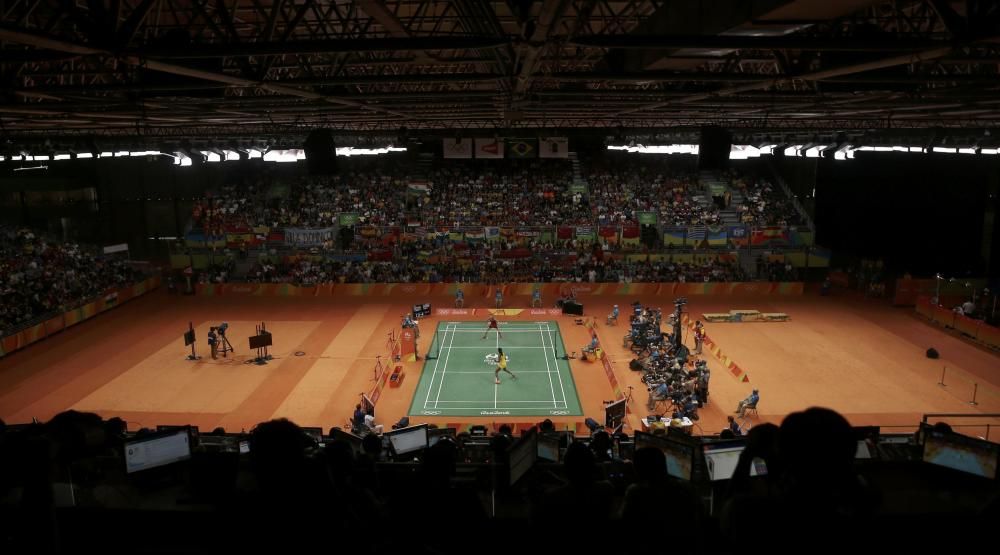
[[458, 193], [40, 277]]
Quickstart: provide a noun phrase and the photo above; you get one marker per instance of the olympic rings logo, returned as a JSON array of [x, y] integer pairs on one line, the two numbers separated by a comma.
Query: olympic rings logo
[[559, 412], [430, 412]]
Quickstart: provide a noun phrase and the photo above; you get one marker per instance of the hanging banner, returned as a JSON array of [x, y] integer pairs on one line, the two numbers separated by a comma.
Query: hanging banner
[[489, 148], [646, 218], [308, 237], [522, 148], [456, 148], [553, 147], [716, 237]]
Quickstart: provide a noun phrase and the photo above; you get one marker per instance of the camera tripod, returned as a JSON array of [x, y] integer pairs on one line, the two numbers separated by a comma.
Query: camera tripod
[[224, 346]]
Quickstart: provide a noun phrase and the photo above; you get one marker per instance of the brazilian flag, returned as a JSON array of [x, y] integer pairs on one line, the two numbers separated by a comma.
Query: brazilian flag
[[522, 148]]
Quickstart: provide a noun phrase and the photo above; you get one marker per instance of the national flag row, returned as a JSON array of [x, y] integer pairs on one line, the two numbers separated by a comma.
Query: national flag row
[[497, 148]]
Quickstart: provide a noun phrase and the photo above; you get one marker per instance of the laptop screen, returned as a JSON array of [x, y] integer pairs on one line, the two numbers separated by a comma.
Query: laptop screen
[[157, 451], [963, 453], [721, 460], [409, 439]]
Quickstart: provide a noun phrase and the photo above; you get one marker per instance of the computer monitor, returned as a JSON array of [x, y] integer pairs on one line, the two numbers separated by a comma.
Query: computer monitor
[[435, 435], [522, 455], [408, 440], [722, 457], [192, 431], [548, 447], [614, 413], [347, 437], [314, 432], [868, 440], [963, 453], [680, 457], [220, 443], [157, 450]]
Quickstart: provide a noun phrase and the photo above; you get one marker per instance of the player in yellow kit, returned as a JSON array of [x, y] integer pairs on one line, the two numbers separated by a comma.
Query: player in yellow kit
[[502, 366]]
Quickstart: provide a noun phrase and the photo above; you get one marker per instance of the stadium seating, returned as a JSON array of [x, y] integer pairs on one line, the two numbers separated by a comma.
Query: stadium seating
[[40, 276]]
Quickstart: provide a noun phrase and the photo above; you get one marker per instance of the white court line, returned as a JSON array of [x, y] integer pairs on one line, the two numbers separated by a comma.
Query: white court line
[[545, 401], [476, 330], [559, 372], [443, 370], [437, 361], [491, 372], [552, 387], [505, 347]]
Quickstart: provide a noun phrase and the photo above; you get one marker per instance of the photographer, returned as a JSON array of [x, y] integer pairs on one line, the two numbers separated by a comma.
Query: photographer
[[657, 393]]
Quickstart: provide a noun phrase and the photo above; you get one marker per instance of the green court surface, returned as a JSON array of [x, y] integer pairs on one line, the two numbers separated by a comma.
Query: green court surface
[[458, 379]]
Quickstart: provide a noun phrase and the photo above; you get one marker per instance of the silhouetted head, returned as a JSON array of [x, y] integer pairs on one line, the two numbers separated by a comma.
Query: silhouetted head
[[372, 444], [278, 450], [650, 464], [579, 464], [815, 446]]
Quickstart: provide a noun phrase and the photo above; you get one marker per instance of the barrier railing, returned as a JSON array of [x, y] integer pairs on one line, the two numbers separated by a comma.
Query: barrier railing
[[985, 424], [970, 389], [974, 329]]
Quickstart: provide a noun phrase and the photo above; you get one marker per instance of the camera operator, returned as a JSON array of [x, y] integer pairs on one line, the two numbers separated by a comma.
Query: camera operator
[[213, 342]]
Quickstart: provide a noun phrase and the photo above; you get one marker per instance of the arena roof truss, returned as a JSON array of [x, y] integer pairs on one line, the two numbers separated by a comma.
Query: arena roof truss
[[207, 68]]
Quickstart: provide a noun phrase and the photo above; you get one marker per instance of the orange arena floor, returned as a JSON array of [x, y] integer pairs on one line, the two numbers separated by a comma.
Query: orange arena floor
[[862, 358]]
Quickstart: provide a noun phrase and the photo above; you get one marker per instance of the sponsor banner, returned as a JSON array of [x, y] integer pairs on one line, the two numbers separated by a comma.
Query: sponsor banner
[[549, 290], [489, 148], [52, 325], [527, 233], [456, 148], [308, 237], [553, 147], [989, 335], [452, 311]]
